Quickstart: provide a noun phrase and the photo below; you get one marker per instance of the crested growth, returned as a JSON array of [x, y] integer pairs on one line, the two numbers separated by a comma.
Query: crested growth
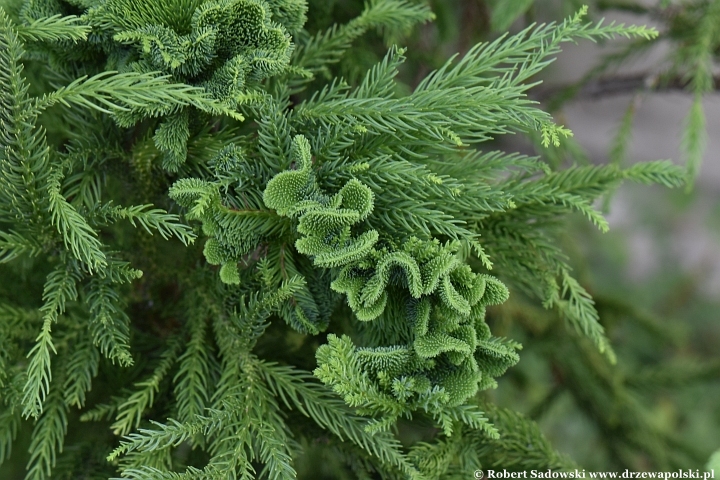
[[221, 253]]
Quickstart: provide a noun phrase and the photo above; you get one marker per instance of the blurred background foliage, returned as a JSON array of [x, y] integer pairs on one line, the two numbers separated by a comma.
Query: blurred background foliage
[[655, 276]]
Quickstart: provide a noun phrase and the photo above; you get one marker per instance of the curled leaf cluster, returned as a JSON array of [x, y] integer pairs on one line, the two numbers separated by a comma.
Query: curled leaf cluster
[[224, 47], [448, 352]]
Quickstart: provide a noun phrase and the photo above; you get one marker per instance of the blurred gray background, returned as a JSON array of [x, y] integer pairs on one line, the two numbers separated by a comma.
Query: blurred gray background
[[657, 228]]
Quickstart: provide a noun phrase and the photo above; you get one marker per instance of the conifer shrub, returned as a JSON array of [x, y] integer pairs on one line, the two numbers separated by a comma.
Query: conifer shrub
[[219, 259]]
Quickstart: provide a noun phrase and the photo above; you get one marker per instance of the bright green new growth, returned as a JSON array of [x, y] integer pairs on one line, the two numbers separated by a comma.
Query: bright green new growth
[[309, 195], [446, 338]]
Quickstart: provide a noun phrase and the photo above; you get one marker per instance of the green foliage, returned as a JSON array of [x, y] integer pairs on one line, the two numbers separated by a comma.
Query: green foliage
[[714, 462], [691, 29], [362, 215]]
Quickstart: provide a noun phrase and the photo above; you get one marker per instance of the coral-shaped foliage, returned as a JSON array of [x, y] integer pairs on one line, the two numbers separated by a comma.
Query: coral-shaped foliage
[[449, 352], [223, 46], [204, 38], [240, 235]]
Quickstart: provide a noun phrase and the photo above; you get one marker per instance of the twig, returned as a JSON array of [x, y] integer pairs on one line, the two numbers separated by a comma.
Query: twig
[[617, 85]]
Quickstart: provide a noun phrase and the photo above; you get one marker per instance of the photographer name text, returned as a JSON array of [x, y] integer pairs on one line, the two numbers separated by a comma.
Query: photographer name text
[[627, 474]]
